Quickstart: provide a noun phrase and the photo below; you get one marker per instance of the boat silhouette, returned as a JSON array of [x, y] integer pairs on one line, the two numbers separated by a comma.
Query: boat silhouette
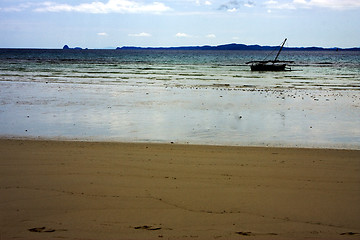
[[271, 65]]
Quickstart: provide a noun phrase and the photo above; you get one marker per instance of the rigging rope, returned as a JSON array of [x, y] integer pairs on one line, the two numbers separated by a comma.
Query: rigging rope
[[275, 49]]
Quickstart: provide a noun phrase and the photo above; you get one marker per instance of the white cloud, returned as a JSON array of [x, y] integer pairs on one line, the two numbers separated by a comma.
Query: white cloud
[[249, 4], [199, 3], [295, 4], [232, 10], [112, 6], [143, 34], [18, 8], [276, 5], [102, 34], [235, 5], [334, 4], [211, 36], [182, 35]]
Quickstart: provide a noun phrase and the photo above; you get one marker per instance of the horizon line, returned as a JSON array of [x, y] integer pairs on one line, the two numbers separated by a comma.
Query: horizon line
[[184, 46]]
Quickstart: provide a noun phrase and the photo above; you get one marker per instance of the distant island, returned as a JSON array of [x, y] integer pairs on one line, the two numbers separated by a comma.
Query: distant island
[[232, 46], [235, 46], [67, 47]]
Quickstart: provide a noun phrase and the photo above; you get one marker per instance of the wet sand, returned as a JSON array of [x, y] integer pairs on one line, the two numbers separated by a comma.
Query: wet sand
[[90, 190], [212, 115]]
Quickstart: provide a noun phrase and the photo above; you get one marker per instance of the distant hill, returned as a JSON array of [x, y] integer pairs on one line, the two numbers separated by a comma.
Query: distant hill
[[231, 46], [234, 46], [66, 47]]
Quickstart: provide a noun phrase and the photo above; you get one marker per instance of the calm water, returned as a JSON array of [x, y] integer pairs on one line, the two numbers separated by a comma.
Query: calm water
[[196, 97]]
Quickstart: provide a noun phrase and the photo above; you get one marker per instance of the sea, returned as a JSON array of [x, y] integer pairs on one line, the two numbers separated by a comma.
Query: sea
[[181, 96]]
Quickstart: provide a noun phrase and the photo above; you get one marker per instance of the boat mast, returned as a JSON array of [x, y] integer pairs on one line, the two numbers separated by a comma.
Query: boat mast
[[282, 45]]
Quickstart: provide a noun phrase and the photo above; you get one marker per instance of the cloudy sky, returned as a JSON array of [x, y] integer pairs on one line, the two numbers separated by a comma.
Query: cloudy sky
[[112, 23]]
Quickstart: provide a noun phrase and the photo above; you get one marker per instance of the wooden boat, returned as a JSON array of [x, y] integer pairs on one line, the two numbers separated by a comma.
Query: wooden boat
[[270, 65]]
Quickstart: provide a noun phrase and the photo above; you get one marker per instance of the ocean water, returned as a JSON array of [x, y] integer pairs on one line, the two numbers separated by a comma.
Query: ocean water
[[189, 97]]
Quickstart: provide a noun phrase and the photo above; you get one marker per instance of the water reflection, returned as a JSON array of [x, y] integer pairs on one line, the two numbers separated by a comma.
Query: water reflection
[[198, 116]]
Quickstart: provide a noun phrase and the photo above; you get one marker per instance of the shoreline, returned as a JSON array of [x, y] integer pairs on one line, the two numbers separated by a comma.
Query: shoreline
[[345, 147], [112, 190]]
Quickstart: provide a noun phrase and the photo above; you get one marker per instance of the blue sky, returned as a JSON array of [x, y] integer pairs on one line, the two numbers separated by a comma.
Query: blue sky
[[112, 23]]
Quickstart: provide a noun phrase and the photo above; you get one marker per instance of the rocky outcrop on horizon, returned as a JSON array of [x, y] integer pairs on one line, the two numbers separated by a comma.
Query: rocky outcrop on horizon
[[67, 47]]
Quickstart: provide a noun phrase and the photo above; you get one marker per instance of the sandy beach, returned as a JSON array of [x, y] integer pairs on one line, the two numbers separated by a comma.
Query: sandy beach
[[100, 190]]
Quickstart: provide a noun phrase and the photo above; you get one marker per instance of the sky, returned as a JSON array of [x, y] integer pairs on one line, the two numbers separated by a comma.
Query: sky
[[165, 23]]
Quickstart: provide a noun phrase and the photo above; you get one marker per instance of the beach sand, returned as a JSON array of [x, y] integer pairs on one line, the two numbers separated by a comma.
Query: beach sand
[[100, 190]]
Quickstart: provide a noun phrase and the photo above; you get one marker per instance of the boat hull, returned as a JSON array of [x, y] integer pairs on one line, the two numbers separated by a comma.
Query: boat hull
[[268, 67]]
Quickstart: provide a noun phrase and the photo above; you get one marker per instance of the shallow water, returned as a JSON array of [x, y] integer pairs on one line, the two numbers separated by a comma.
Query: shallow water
[[195, 97]]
